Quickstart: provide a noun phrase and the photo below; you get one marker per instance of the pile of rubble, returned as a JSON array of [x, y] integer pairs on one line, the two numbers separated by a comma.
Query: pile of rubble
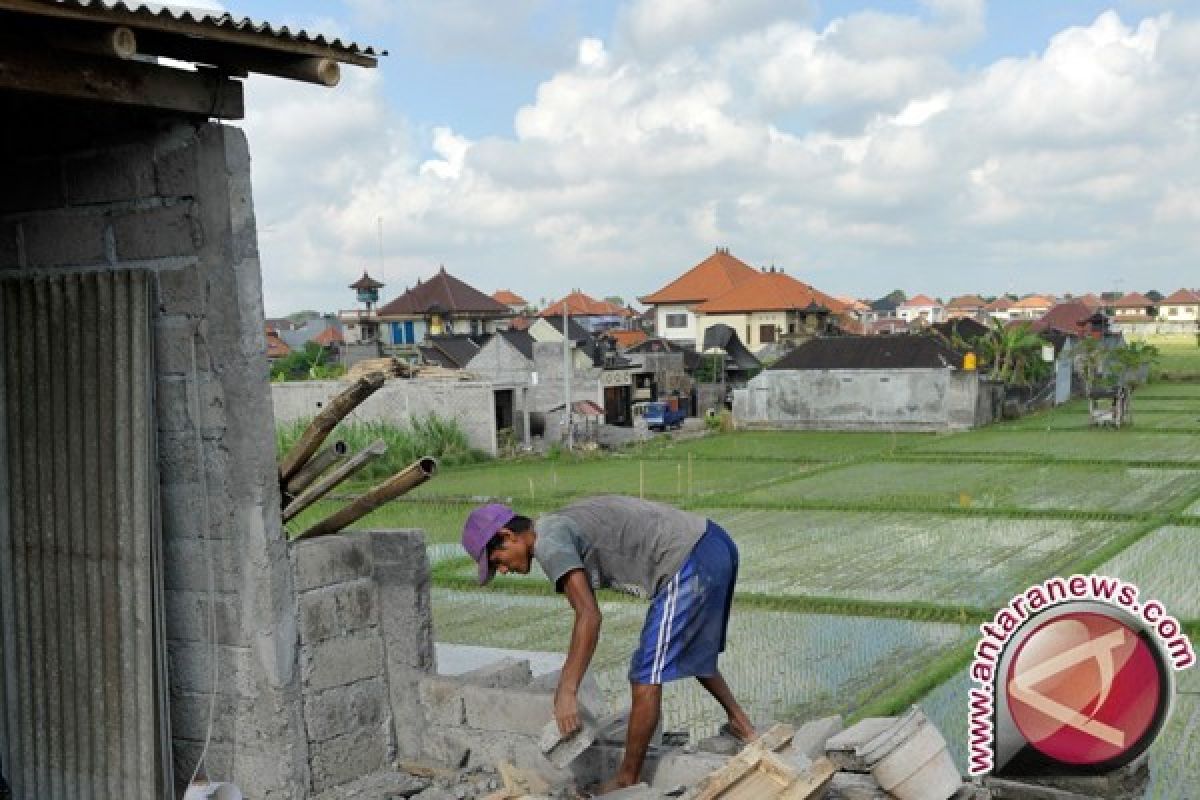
[[489, 739]]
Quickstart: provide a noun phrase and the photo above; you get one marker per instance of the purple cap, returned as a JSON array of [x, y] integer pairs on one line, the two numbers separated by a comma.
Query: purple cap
[[482, 524]]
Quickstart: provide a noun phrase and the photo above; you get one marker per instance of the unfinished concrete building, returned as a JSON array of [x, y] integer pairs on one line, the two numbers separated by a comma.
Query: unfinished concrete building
[[149, 604]]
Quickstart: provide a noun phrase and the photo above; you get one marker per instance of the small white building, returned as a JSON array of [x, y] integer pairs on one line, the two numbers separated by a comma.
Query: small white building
[[922, 310], [1182, 306]]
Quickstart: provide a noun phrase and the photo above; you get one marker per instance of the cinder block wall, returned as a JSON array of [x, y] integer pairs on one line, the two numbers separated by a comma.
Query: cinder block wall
[[887, 400], [366, 640], [113, 190], [470, 403]]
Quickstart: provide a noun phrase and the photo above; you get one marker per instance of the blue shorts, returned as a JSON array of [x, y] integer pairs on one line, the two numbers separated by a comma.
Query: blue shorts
[[685, 626]]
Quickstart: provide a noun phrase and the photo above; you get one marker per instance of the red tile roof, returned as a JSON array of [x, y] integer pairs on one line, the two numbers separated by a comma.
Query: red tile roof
[[276, 347], [581, 305], [331, 335], [625, 339], [711, 278], [508, 298], [1001, 303], [1182, 297], [1091, 301], [770, 291], [519, 323], [967, 301], [1034, 301], [919, 301], [1066, 317], [443, 293], [1134, 300]]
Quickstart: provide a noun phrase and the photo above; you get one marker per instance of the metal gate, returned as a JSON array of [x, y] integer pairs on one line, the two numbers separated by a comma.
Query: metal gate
[[81, 653]]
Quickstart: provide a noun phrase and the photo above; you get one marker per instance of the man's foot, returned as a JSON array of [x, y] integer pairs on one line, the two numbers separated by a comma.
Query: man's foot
[[742, 730]]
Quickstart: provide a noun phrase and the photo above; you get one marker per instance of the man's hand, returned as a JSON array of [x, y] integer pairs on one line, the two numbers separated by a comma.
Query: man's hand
[[566, 710]]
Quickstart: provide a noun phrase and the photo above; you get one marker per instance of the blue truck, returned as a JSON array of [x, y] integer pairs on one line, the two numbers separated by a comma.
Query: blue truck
[[660, 416]]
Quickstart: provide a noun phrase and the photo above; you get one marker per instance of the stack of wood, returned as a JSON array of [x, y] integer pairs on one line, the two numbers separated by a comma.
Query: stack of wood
[[395, 368], [307, 473]]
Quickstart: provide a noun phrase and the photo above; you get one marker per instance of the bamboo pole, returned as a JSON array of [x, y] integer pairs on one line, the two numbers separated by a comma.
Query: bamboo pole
[[322, 461], [322, 487], [403, 481], [325, 422]]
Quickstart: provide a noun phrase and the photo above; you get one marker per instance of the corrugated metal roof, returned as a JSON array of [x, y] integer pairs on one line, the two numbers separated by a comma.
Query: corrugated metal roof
[[201, 19]]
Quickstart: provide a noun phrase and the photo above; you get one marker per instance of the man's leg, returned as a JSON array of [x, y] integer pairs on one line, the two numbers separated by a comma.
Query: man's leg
[[643, 719], [739, 723]]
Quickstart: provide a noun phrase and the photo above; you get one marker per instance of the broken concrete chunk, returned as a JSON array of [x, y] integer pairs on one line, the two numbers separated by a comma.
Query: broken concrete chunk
[[810, 738], [638, 791], [844, 749], [723, 744], [677, 767], [507, 673], [855, 786]]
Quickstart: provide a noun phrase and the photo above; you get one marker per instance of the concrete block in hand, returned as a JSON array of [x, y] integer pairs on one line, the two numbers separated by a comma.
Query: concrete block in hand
[[561, 750]]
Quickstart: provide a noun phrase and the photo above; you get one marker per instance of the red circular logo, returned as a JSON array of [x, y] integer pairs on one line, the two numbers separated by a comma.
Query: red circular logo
[[1085, 689]]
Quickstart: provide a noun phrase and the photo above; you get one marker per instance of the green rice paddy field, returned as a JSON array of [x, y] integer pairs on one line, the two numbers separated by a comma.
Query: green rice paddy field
[[868, 559]]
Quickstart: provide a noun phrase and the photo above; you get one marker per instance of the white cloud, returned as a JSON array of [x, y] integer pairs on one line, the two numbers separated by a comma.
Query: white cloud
[[857, 163]]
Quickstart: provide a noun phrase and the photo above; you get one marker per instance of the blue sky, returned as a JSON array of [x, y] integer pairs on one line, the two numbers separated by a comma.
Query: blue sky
[[942, 146]]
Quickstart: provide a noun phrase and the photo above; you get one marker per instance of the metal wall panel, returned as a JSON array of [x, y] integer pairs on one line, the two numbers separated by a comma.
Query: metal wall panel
[[83, 682]]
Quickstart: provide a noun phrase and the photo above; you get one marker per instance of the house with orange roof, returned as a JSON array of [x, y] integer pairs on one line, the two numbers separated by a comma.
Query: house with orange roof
[[594, 315], [672, 305], [967, 306], [769, 306], [513, 300], [1032, 307], [921, 310], [276, 347], [1180, 306]]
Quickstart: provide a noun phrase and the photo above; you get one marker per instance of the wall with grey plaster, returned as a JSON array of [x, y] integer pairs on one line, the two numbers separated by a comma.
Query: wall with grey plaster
[[174, 198], [913, 399], [470, 403]]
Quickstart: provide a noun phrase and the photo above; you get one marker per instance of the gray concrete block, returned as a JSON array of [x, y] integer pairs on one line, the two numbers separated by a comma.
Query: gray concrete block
[[401, 546], [507, 673], [811, 737], [343, 710], [143, 234], [443, 701], [190, 668], [178, 459], [175, 166], [855, 786], [177, 350], [174, 403], [59, 239], [111, 175], [447, 747], [341, 661], [344, 758], [680, 768], [843, 748], [185, 563], [188, 617], [337, 610], [181, 290], [331, 559], [512, 710]]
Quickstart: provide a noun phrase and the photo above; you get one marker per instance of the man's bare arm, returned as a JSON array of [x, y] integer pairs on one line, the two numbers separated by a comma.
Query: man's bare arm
[[585, 633]]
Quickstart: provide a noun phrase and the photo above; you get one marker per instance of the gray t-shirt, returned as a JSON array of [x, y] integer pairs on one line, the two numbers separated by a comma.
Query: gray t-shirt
[[623, 543]]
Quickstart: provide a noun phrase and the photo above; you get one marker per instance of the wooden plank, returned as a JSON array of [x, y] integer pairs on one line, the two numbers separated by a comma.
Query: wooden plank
[[130, 83], [167, 24]]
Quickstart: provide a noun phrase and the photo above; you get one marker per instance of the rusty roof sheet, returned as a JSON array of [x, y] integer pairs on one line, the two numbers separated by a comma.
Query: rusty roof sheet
[[196, 22]]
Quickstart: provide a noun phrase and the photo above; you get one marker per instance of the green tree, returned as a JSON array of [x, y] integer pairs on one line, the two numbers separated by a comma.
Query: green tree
[[310, 363]]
